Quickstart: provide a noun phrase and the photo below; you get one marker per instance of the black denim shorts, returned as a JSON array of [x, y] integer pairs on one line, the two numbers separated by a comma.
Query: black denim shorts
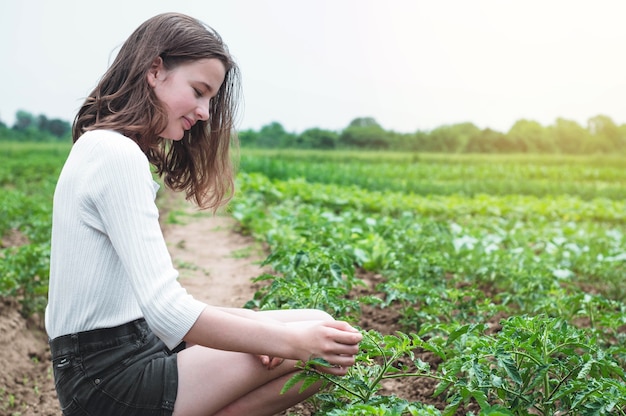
[[124, 370]]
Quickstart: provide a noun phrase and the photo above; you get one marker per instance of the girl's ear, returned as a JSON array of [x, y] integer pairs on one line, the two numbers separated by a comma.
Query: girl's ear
[[155, 69]]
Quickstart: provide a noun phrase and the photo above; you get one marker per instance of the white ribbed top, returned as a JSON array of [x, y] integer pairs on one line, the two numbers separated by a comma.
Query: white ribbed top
[[109, 263]]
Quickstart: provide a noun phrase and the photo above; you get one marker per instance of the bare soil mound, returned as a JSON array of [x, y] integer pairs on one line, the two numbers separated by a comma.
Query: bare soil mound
[[26, 386]]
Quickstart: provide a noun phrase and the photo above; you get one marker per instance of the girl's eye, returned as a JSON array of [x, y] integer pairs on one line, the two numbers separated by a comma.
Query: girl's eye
[[197, 92]]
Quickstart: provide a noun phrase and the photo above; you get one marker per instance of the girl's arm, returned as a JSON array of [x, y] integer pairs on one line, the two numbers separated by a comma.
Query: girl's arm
[[245, 313], [334, 341], [293, 316]]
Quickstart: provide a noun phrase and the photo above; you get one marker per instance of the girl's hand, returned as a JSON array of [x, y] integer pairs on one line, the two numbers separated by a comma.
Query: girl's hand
[[270, 362], [336, 342]]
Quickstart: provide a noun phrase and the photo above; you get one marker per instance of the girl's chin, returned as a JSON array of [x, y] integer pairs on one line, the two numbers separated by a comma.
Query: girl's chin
[[173, 137]]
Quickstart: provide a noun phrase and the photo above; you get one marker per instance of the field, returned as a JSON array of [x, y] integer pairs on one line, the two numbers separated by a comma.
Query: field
[[485, 284]]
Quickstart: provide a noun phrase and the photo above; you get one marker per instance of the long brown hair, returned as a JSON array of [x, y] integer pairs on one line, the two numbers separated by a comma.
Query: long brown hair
[[200, 163]]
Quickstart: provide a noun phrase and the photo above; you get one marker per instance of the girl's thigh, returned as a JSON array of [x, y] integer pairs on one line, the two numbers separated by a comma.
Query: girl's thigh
[[209, 379]]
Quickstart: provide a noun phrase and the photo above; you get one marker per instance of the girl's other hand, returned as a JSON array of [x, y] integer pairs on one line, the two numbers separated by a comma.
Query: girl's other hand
[[270, 362]]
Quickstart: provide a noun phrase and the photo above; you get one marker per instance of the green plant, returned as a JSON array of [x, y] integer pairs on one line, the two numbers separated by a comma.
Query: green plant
[[451, 261], [24, 274], [535, 364], [306, 283], [381, 357]]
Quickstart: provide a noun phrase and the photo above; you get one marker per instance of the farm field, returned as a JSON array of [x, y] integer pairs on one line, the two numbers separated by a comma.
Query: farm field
[[484, 284]]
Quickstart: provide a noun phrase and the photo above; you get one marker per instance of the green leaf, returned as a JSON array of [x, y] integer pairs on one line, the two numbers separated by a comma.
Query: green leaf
[[511, 369], [441, 387], [495, 411], [584, 371], [298, 377], [481, 398], [335, 271], [457, 333], [300, 257]]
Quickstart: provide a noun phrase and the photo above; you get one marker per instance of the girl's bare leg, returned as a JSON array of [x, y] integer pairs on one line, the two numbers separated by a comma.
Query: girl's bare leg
[[215, 382], [267, 400]]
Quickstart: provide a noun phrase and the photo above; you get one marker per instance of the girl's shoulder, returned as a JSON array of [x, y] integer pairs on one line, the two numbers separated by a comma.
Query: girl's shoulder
[[100, 151], [108, 144], [107, 139]]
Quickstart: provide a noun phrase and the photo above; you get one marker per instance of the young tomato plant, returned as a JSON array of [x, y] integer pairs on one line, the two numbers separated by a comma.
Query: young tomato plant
[[317, 283], [381, 357], [537, 364]]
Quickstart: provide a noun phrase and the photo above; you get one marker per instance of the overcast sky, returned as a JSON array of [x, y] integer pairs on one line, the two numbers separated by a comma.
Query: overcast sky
[[412, 65]]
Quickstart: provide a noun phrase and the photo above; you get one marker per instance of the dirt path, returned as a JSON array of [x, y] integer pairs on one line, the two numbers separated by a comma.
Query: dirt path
[[216, 265]]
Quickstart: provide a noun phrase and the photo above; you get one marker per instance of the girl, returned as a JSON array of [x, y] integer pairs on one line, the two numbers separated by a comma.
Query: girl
[[126, 338]]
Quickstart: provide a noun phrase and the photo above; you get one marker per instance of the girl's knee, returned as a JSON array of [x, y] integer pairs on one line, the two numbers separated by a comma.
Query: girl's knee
[[298, 315], [319, 315]]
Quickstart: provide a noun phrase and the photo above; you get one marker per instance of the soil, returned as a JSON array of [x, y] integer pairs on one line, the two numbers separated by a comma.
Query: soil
[[216, 265]]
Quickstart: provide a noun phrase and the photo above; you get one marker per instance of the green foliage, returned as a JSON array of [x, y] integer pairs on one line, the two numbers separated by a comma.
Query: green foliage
[[506, 274], [484, 177], [319, 284], [452, 138], [570, 137], [316, 138], [494, 286], [534, 365], [602, 135], [271, 135], [606, 132], [531, 137], [28, 127], [538, 364], [381, 357], [364, 134], [28, 173], [24, 274]]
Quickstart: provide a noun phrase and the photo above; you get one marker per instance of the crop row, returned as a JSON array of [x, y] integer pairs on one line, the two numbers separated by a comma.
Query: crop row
[[28, 173], [456, 269], [467, 175], [505, 275]]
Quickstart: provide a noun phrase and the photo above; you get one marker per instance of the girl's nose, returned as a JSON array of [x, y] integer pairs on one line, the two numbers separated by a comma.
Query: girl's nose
[[202, 112]]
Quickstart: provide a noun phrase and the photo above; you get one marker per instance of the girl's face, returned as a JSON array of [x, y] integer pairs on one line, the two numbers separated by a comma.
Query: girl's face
[[186, 92]]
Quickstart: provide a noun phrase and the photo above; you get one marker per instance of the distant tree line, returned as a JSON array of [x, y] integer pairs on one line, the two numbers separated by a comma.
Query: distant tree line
[[29, 127], [601, 135]]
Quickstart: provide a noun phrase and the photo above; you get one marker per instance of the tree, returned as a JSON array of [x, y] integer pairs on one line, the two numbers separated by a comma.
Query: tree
[[486, 141], [364, 133], [42, 122], [622, 132], [364, 122], [530, 136], [248, 137], [453, 138], [58, 127], [606, 134], [274, 135], [405, 141], [40, 128], [24, 120], [316, 138], [568, 136]]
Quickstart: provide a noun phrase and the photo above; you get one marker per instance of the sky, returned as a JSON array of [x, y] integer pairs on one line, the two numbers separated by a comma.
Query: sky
[[410, 64]]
